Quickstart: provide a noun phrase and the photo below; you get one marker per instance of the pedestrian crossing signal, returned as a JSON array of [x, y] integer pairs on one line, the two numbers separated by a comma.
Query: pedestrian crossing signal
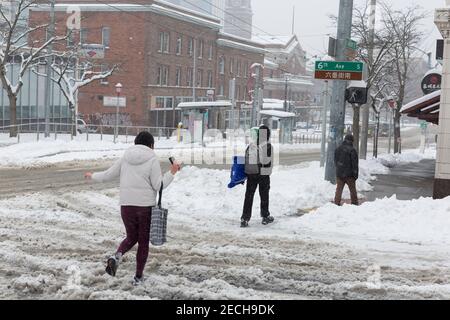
[[355, 95]]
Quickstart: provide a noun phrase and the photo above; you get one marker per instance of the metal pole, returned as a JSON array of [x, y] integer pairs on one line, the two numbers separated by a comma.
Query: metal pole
[[50, 34], [286, 93], [255, 98], [194, 72], [324, 127], [390, 133], [77, 77], [232, 93], [116, 131], [337, 114], [366, 107]]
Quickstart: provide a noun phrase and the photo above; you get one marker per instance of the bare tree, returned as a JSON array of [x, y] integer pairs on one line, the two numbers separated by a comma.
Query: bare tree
[[71, 75], [16, 49], [404, 27]]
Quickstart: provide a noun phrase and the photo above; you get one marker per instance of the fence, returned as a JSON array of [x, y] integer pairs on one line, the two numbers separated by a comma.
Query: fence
[[102, 132], [306, 138]]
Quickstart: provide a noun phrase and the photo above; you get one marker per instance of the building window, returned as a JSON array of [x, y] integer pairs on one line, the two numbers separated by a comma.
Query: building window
[[221, 90], [163, 76], [246, 69], [178, 77], [106, 33], [238, 92], [210, 53], [231, 65], [83, 35], [200, 49], [222, 65], [199, 77], [164, 102], [164, 40], [190, 46], [190, 77], [210, 79], [238, 68], [104, 69], [179, 45]]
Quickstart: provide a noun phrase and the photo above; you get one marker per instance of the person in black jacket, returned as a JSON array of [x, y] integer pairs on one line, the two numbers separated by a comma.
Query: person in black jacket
[[258, 168], [347, 170]]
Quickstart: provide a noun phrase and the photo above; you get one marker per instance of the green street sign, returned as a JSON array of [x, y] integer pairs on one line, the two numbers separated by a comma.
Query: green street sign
[[352, 44], [345, 66], [423, 125]]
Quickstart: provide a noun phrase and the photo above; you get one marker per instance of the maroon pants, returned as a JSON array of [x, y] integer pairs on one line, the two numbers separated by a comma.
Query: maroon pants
[[137, 225]]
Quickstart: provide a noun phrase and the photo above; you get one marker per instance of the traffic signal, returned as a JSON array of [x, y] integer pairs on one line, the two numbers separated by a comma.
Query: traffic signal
[[356, 95]]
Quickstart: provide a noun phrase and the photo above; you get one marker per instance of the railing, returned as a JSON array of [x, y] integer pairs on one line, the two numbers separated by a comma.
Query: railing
[[35, 132], [100, 131], [304, 138]]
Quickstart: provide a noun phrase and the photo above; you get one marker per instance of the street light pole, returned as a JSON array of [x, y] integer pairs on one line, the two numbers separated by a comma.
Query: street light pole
[[194, 71], [324, 127], [286, 93], [116, 131], [48, 84], [337, 111]]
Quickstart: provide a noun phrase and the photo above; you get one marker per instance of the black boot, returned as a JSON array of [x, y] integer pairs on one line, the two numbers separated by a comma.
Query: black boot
[[111, 265], [267, 220], [244, 223]]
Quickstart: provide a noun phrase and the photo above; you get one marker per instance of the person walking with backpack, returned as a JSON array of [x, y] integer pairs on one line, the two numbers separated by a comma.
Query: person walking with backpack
[[347, 170], [140, 181], [258, 168]]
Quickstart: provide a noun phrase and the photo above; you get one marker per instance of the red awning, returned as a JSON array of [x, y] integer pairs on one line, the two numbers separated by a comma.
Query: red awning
[[425, 108]]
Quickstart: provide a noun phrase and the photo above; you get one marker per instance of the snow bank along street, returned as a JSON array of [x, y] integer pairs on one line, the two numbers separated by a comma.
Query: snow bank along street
[[53, 245]]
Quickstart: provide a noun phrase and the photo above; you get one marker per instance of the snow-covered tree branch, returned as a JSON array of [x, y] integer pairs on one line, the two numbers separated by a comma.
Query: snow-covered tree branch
[[17, 49]]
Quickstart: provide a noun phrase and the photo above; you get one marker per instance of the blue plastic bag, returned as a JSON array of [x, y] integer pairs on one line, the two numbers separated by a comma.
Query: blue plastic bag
[[238, 175]]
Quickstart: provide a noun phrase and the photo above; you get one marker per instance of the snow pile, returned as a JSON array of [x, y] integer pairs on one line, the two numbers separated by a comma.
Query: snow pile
[[53, 151], [292, 188], [408, 156], [420, 222]]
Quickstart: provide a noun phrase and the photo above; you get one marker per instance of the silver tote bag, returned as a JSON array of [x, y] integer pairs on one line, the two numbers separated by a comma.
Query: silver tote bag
[[158, 226]]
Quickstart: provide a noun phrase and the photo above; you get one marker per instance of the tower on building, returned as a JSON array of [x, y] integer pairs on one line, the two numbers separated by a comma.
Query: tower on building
[[238, 18]]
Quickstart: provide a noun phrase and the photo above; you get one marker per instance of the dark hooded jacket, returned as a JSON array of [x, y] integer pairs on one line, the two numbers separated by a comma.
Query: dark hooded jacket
[[346, 160]]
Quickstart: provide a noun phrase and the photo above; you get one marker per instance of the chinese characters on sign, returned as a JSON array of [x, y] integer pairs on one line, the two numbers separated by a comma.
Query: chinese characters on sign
[[336, 75]]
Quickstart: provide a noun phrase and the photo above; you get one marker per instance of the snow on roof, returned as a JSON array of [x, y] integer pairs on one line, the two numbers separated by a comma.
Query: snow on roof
[[186, 9], [270, 64], [173, 12], [272, 40], [239, 45], [294, 81], [205, 104], [277, 114], [270, 104], [421, 100]]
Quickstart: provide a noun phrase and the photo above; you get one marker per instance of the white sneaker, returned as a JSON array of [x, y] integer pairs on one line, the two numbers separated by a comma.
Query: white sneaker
[[138, 281]]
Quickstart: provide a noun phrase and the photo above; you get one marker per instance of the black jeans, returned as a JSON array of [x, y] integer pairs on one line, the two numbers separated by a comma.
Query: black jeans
[[253, 181]]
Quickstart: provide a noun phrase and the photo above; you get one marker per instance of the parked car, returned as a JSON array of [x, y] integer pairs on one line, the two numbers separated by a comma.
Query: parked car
[[82, 127]]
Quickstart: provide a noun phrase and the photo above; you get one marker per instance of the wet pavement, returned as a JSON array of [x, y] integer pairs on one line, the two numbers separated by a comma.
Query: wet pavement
[[407, 181]]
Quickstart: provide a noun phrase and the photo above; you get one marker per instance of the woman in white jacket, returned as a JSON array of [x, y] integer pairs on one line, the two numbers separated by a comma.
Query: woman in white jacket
[[140, 181]]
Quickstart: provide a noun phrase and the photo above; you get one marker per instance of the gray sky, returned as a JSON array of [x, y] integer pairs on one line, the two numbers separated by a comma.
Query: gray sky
[[312, 22]]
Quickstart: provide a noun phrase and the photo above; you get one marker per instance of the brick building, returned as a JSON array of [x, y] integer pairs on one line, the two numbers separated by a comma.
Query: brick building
[[285, 66], [153, 44]]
